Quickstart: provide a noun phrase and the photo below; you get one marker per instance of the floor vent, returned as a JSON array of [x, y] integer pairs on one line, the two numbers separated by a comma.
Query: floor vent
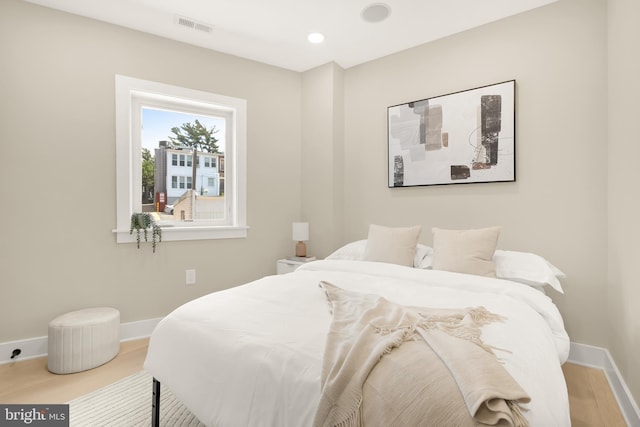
[[193, 24]]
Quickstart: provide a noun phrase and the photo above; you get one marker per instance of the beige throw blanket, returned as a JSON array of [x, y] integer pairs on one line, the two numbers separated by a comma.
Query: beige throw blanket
[[391, 365]]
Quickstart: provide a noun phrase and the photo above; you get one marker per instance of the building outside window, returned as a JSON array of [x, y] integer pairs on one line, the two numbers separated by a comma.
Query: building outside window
[[207, 177]]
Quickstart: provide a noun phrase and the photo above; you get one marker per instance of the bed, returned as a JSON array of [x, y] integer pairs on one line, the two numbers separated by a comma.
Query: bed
[[253, 355]]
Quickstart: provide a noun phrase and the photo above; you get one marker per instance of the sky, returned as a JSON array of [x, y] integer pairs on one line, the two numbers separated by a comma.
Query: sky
[[157, 124]]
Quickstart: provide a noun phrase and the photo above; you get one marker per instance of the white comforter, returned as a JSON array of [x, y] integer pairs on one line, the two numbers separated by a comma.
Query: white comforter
[[252, 355]]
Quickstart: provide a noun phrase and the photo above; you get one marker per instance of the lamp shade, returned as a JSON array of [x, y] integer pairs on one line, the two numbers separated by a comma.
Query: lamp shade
[[300, 231]]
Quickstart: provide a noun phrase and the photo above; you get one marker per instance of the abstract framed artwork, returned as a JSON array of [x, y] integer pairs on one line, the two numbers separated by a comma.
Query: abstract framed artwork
[[461, 137]]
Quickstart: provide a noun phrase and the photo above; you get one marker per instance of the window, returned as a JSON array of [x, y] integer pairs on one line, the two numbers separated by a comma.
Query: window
[[209, 162], [134, 97], [181, 182]]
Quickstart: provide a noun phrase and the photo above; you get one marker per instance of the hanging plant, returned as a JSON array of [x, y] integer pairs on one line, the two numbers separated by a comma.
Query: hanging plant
[[141, 223]]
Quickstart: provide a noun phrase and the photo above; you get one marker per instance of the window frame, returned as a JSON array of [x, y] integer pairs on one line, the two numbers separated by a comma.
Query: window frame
[[131, 93]]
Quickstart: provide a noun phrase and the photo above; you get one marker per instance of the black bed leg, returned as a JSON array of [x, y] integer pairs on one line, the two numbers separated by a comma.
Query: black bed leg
[[155, 404]]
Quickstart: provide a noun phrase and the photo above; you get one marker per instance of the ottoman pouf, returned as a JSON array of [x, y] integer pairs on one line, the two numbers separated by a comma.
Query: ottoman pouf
[[83, 339]]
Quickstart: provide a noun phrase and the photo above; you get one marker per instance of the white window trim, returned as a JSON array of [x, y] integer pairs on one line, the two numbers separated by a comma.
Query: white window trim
[[128, 171]]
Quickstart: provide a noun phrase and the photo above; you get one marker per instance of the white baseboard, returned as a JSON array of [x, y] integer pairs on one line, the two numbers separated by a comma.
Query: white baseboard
[[29, 349], [580, 354], [600, 358], [33, 348], [136, 330]]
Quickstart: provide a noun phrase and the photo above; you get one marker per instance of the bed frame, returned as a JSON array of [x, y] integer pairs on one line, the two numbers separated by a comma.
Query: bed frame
[[155, 404]]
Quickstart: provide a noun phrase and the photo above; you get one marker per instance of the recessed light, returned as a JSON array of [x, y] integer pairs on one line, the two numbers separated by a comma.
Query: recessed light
[[376, 12], [315, 38]]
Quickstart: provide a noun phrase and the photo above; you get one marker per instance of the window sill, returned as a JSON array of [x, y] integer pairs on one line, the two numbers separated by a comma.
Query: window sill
[[170, 234]]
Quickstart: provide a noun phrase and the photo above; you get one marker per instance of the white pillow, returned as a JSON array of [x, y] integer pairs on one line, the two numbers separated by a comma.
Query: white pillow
[[521, 267], [422, 251], [527, 268], [354, 251], [394, 245], [465, 251]]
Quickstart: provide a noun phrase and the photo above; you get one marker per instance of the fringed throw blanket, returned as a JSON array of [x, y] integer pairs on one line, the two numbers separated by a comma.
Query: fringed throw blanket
[[391, 365]]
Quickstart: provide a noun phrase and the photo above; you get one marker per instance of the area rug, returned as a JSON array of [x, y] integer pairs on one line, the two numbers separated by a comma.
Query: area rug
[[127, 403]]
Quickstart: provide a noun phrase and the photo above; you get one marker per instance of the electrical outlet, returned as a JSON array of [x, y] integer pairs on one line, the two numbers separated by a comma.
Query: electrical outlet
[[190, 277]]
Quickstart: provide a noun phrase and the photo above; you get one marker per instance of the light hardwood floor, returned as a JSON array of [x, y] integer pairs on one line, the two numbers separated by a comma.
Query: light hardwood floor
[[590, 398], [29, 381]]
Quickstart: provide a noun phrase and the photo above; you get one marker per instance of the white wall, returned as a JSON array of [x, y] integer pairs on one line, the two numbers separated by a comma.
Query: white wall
[[322, 157], [57, 112], [624, 203], [557, 206]]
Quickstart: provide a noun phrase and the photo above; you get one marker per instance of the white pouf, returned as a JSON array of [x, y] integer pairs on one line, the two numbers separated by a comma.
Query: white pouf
[[83, 339]]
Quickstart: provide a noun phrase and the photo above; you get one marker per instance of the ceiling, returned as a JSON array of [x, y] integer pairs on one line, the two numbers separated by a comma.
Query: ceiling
[[275, 31]]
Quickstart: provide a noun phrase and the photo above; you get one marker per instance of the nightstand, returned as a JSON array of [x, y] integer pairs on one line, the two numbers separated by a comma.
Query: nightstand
[[284, 266]]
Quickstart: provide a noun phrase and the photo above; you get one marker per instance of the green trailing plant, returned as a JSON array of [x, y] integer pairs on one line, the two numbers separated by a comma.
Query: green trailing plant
[[142, 223]]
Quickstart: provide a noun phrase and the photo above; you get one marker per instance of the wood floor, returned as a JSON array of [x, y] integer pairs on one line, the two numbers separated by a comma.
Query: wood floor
[[590, 398], [29, 381], [591, 401]]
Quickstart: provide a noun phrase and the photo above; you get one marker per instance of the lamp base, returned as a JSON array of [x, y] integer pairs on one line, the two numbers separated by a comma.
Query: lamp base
[[301, 249]]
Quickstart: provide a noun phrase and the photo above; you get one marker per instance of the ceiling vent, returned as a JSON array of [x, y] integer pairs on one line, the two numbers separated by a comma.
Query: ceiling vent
[[193, 24]]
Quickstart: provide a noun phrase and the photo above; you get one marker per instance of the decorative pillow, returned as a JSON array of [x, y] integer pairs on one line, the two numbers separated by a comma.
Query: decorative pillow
[[465, 251], [522, 267], [394, 245], [527, 268], [354, 251]]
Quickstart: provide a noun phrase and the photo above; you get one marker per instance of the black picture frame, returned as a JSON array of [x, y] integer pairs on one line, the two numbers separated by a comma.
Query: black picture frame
[[458, 138]]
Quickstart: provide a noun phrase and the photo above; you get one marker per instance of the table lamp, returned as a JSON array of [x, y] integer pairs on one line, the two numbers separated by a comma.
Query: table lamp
[[301, 235]]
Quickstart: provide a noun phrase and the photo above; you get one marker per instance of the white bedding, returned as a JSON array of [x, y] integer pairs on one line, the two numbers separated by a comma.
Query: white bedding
[[252, 355]]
